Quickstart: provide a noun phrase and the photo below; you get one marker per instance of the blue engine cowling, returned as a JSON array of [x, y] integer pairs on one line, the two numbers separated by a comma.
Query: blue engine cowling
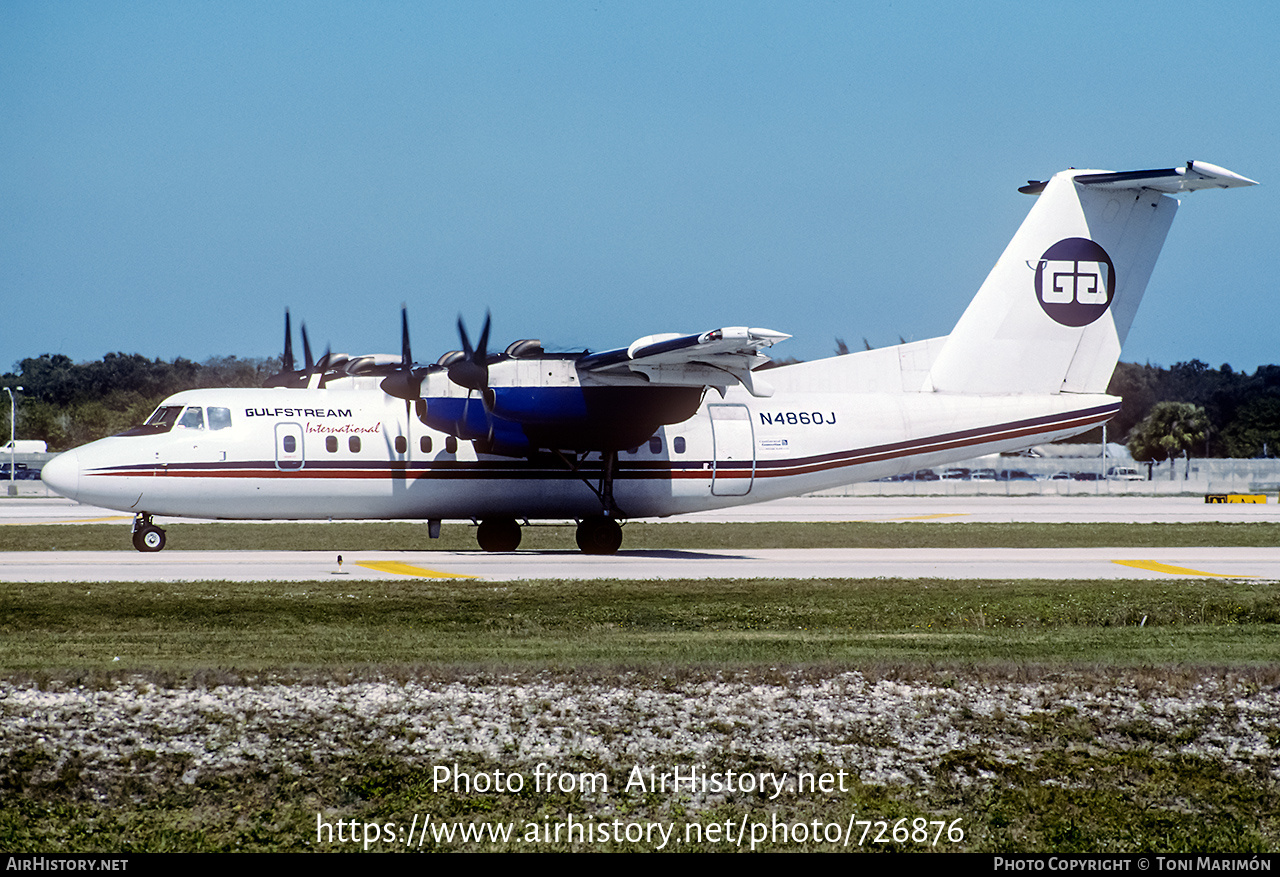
[[518, 421]]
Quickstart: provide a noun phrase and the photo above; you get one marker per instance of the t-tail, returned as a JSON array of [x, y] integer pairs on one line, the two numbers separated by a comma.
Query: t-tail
[[1054, 311]]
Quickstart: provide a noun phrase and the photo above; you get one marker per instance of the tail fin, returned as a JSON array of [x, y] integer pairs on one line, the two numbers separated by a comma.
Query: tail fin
[[1054, 311]]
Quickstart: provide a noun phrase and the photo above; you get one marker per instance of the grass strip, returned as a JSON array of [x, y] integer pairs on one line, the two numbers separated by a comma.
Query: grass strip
[[186, 627], [385, 536]]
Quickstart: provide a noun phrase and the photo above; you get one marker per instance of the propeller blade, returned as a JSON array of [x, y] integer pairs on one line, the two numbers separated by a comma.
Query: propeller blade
[[286, 361], [466, 342], [306, 349], [404, 382], [406, 358], [482, 349]]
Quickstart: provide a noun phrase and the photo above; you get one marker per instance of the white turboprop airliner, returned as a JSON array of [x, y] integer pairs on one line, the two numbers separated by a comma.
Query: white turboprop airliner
[[602, 437]]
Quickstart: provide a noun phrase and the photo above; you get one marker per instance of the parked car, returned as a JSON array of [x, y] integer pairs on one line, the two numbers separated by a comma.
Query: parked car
[[1124, 473], [21, 472], [1016, 475]]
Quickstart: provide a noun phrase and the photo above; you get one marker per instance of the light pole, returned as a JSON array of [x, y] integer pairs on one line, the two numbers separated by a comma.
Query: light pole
[[13, 421]]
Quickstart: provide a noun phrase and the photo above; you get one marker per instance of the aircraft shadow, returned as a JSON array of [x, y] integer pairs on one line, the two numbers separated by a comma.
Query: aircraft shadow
[[655, 553]]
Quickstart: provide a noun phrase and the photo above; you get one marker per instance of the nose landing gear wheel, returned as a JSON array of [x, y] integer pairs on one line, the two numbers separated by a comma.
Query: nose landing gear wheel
[[146, 535], [599, 535], [148, 538]]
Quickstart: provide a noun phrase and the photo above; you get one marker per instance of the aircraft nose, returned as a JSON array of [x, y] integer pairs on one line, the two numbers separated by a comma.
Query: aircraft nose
[[62, 474]]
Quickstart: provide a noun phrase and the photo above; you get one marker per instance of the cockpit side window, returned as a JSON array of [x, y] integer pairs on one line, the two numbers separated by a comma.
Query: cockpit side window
[[164, 417], [193, 418], [219, 418], [161, 421]]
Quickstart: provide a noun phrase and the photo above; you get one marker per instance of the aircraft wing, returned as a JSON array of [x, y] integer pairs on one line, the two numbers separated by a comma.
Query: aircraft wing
[[719, 358]]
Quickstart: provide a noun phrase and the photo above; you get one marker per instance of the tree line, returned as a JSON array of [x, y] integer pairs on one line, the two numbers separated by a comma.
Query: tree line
[[1215, 412], [67, 403]]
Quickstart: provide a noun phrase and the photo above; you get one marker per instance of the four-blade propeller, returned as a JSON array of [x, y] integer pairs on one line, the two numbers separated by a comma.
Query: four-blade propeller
[[404, 382], [471, 370]]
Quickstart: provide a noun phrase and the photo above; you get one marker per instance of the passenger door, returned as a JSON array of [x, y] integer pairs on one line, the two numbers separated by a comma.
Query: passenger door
[[289, 454]]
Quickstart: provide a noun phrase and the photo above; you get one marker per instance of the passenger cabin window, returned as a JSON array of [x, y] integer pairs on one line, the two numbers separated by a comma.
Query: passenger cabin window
[[402, 444], [655, 445], [289, 444], [353, 444], [678, 444], [451, 445], [219, 418], [425, 444], [331, 444], [192, 418]]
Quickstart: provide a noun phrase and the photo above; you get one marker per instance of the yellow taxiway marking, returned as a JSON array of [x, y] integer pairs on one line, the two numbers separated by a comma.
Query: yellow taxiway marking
[[404, 569], [932, 517], [76, 521], [1157, 566]]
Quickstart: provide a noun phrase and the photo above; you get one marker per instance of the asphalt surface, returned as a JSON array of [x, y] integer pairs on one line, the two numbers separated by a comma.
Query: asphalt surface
[[174, 564], [1001, 563]]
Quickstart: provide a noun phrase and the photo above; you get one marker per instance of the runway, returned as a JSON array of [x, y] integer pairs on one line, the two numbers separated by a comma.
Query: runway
[[975, 563], [176, 565]]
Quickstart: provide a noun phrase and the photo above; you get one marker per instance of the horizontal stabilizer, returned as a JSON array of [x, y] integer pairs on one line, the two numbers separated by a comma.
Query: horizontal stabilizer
[[1196, 175]]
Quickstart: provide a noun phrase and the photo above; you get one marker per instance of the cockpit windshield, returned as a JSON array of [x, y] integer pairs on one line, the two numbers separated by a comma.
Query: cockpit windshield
[[166, 417]]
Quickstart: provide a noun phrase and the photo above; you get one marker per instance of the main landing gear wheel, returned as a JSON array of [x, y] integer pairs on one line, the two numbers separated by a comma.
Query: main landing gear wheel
[[149, 537], [599, 535], [498, 534]]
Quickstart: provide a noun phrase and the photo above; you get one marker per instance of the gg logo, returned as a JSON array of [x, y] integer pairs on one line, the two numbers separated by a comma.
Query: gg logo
[[1075, 281]]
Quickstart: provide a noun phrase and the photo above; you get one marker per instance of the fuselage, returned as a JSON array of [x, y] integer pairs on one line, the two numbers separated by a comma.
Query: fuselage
[[360, 454]]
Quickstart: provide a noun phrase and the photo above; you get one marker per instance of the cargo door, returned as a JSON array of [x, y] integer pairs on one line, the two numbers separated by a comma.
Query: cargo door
[[734, 450]]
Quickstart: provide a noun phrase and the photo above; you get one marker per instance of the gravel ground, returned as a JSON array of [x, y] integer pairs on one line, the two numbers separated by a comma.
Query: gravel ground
[[882, 731]]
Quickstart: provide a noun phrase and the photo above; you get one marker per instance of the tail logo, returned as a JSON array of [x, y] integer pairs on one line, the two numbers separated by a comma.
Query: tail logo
[[1075, 281]]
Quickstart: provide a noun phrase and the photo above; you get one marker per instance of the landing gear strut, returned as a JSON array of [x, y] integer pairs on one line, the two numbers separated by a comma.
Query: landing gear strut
[[146, 535], [599, 535], [498, 534]]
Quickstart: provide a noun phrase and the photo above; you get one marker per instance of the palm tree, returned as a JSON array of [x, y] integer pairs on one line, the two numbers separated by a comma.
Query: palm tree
[[1170, 430]]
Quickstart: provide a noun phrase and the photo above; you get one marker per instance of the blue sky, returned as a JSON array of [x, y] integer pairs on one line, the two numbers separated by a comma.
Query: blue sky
[[176, 174]]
